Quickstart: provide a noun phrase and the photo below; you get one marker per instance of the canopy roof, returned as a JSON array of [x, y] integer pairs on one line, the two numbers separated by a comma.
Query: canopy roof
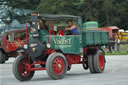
[[56, 16], [51, 16]]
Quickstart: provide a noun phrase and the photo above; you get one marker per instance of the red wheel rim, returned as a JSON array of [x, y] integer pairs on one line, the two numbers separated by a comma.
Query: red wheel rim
[[101, 61], [58, 65], [23, 69]]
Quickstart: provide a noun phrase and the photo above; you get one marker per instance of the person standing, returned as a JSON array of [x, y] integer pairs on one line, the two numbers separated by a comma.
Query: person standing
[[118, 45]]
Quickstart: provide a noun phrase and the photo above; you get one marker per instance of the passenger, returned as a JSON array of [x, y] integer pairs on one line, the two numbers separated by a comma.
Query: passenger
[[42, 25], [72, 28]]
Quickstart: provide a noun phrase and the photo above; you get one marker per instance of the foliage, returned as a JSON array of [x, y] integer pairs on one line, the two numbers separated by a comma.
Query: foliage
[[26, 4], [106, 12], [16, 9]]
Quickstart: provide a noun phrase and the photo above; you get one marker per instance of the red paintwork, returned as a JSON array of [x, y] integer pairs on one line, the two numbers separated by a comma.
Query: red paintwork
[[30, 68], [36, 69], [5, 42], [10, 46], [101, 61], [58, 65], [85, 50], [111, 29], [23, 69], [73, 59], [38, 62], [49, 51], [18, 39]]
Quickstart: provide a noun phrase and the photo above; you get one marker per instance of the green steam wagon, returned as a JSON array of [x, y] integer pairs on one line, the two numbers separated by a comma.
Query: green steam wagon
[[55, 50]]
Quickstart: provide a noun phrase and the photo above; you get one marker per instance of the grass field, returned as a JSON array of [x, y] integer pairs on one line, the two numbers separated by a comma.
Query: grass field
[[123, 50]]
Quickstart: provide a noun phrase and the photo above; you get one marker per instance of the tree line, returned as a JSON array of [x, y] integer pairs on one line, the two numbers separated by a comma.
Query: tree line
[[106, 12]]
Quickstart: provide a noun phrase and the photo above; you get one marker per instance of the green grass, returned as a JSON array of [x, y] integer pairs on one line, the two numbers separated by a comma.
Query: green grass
[[114, 53], [123, 51]]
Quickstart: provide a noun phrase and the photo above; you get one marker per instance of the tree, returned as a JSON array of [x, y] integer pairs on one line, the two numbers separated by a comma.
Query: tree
[[26, 4], [57, 7], [108, 10], [4, 12], [16, 10], [122, 12]]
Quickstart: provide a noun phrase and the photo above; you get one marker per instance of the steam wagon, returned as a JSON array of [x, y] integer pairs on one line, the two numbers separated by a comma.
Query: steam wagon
[[10, 43], [55, 50]]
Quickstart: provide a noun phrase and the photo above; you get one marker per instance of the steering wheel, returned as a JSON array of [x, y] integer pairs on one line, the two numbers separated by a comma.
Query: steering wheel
[[68, 32]]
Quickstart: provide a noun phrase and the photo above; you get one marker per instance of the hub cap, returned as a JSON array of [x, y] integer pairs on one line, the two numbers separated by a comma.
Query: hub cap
[[58, 65], [101, 61]]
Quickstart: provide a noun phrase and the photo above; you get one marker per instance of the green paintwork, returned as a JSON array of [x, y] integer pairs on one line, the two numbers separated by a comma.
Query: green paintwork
[[72, 44], [67, 44], [90, 25], [1, 43], [93, 38], [43, 33]]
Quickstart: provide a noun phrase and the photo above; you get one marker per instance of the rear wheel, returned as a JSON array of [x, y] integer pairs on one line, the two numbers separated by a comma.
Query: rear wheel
[[90, 64], [2, 57], [20, 70], [99, 61], [56, 66], [96, 62]]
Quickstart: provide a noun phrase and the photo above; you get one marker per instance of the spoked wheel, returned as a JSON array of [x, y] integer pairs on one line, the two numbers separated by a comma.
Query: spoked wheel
[[20, 70], [99, 62], [96, 62], [56, 65]]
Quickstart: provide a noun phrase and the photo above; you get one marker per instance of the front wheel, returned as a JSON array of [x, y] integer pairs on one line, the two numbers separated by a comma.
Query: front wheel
[[20, 70], [56, 65]]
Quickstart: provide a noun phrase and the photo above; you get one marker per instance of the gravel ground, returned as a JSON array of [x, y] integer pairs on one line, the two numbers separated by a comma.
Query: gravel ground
[[115, 73]]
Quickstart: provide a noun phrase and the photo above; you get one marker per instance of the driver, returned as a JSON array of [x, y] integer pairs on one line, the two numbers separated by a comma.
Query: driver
[[72, 28]]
